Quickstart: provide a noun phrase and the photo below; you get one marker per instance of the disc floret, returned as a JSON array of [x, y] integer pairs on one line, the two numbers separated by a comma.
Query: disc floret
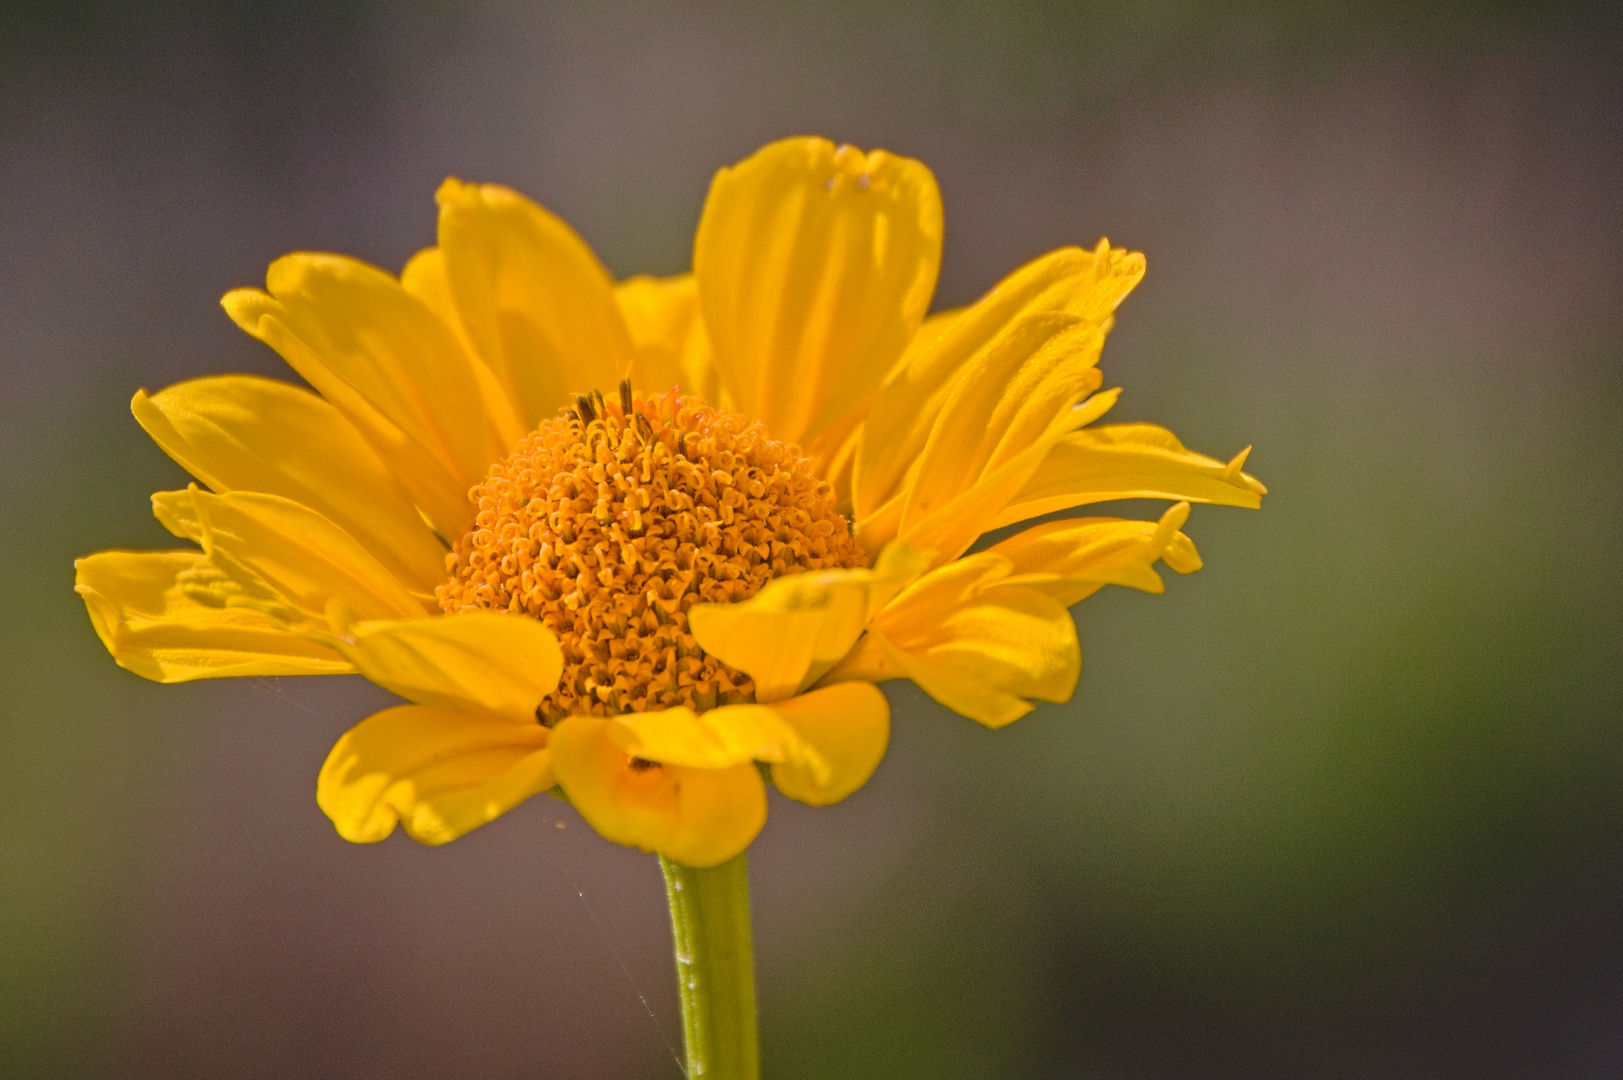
[[608, 522]]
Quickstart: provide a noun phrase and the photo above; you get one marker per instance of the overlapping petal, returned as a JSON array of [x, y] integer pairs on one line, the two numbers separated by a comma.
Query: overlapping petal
[[848, 726], [474, 661], [274, 551], [974, 642], [834, 452], [1016, 396], [533, 299], [153, 628], [440, 772], [1129, 461], [391, 366], [425, 277], [244, 433], [1071, 560], [815, 266], [796, 628], [713, 739], [697, 817], [1081, 284], [667, 333], [822, 745]]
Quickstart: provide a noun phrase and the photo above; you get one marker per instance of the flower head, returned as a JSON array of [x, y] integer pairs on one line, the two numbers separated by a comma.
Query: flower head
[[635, 541]]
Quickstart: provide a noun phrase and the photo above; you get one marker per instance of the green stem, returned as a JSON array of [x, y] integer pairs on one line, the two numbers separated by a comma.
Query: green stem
[[715, 968]]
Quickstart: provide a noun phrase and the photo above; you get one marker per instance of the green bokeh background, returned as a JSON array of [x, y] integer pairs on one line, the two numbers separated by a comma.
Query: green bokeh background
[[1344, 803]]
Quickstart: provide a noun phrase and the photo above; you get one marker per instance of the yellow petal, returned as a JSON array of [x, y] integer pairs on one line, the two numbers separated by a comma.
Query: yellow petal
[[815, 267], [930, 333], [823, 745], [868, 661], [1085, 285], [697, 817], [425, 277], [952, 526], [1070, 560], [302, 557], [848, 725], [978, 645], [439, 772], [390, 365], [244, 433], [662, 315], [1129, 461], [442, 498], [154, 629], [834, 452], [476, 661], [715, 739], [534, 300], [1004, 399], [796, 628]]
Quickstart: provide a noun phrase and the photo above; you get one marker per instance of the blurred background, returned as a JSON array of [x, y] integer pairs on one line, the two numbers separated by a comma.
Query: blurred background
[[1346, 803]]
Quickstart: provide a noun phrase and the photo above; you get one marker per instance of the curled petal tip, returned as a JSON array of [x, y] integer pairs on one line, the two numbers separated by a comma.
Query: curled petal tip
[[1238, 463]]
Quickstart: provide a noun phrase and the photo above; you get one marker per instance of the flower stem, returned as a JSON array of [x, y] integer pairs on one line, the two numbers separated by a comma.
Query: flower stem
[[715, 968]]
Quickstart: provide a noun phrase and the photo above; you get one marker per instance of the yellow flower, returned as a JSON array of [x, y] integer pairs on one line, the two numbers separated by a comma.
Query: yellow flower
[[639, 595]]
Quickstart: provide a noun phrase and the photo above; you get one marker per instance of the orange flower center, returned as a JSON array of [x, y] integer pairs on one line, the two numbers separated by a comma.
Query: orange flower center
[[609, 522]]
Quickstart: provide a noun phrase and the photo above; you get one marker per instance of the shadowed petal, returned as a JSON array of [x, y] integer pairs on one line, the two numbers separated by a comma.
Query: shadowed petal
[[439, 772], [480, 661], [796, 628], [245, 433], [154, 629], [1071, 560], [697, 817]]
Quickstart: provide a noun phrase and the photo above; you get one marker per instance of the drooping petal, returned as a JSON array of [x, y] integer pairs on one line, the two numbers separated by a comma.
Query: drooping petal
[[697, 817], [439, 772], [154, 629], [822, 745], [245, 433], [475, 661], [848, 725], [978, 645], [796, 628], [255, 539], [1129, 461], [534, 300], [1082, 284], [714, 739], [1070, 560], [815, 267], [390, 365]]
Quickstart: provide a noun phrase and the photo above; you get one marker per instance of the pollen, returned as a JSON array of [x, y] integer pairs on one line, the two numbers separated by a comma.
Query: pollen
[[610, 521]]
